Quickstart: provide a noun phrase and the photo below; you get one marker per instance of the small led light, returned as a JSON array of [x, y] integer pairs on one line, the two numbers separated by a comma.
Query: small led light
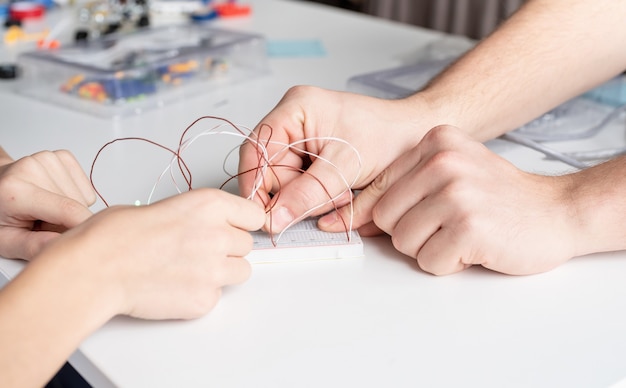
[[137, 203]]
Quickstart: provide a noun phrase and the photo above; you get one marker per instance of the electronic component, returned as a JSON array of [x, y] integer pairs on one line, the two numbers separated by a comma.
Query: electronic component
[[124, 74], [304, 241]]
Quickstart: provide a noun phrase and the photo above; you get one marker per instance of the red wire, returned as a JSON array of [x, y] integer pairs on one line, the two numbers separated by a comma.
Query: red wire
[[262, 162]]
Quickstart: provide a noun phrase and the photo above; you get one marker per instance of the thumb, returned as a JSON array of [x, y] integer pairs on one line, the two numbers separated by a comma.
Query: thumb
[[314, 192], [356, 214], [361, 211]]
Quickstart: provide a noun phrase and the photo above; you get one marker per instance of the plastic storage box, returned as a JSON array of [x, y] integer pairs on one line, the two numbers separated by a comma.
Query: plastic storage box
[[577, 118], [128, 74], [397, 82]]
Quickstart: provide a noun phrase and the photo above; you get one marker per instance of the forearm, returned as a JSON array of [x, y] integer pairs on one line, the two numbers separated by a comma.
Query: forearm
[[597, 203], [45, 313], [546, 53]]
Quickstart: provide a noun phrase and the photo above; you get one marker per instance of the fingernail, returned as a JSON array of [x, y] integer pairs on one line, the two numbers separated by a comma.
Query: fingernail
[[328, 220], [280, 218]]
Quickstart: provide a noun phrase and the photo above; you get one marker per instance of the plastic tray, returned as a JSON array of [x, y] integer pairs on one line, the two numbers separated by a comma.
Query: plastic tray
[[397, 82], [574, 119], [128, 74]]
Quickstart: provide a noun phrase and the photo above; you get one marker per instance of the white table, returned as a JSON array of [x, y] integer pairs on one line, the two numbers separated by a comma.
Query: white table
[[376, 321]]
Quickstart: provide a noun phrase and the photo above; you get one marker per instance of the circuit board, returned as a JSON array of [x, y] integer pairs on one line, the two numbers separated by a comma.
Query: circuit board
[[305, 241]]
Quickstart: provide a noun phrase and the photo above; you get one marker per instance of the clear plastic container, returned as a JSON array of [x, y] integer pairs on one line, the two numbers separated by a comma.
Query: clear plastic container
[[397, 82], [578, 118], [127, 74]]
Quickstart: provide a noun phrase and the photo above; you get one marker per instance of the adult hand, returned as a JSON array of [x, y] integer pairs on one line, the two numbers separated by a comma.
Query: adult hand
[[165, 260], [40, 196], [451, 203], [380, 130]]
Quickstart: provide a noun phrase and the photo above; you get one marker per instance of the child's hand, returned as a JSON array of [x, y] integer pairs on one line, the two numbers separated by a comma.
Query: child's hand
[[40, 196], [167, 260]]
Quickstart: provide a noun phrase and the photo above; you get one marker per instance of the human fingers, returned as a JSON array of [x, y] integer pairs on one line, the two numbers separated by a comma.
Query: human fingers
[[226, 240], [37, 204], [317, 190], [309, 136], [475, 209], [217, 234], [430, 167], [360, 212], [166, 278], [60, 172], [432, 199], [209, 209], [78, 176], [233, 270], [437, 231], [445, 252], [243, 213], [370, 229], [268, 139], [255, 181], [18, 243]]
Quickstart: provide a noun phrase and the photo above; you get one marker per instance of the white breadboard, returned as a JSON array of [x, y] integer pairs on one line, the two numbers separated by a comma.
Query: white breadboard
[[304, 241]]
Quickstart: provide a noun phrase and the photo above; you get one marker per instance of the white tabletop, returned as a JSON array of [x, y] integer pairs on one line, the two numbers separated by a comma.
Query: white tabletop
[[376, 321]]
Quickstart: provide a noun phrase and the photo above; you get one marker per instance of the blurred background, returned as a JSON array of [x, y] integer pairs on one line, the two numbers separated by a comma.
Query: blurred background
[[472, 18]]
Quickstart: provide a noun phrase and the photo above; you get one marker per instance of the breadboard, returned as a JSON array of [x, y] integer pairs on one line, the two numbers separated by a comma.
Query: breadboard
[[305, 241]]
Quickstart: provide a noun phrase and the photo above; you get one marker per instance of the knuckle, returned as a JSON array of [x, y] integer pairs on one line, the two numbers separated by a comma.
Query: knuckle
[[10, 185], [441, 134], [65, 156], [381, 220], [209, 199], [427, 266], [28, 164], [432, 266], [306, 197], [445, 162], [381, 183], [298, 90], [70, 206], [245, 241], [203, 303], [44, 157], [401, 245]]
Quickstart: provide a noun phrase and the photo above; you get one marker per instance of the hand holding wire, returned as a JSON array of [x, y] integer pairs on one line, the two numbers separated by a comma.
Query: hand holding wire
[[325, 129], [42, 194]]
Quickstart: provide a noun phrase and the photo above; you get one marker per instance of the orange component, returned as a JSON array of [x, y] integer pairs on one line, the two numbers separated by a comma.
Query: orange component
[[183, 67], [231, 9], [72, 82], [92, 91], [16, 34], [48, 44], [13, 34]]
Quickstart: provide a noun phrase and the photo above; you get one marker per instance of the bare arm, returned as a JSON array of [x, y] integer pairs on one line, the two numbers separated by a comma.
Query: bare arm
[[547, 52], [124, 260], [45, 312], [598, 205], [451, 203]]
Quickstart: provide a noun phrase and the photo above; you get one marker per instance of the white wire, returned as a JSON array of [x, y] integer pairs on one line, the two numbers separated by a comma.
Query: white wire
[[265, 165], [186, 144], [341, 176]]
